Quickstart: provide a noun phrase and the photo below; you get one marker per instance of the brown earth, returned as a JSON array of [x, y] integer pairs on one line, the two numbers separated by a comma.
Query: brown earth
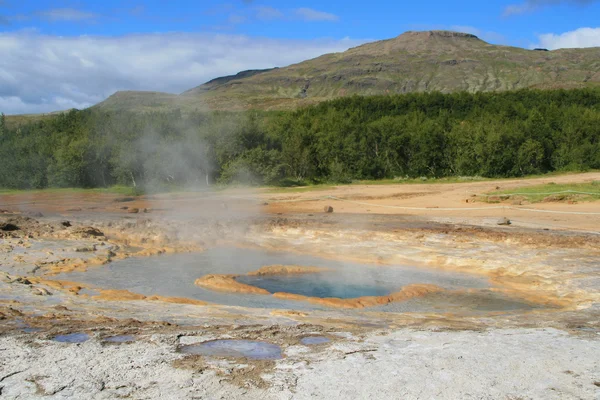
[[227, 283], [430, 200]]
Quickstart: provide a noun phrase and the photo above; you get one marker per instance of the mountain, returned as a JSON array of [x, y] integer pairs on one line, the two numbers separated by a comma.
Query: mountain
[[412, 62]]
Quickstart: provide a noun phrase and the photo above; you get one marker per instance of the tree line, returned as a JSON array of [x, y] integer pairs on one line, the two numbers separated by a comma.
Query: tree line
[[508, 134]]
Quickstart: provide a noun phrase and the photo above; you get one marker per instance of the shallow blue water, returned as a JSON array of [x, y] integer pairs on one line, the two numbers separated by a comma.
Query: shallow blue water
[[314, 340], [318, 285], [235, 348], [174, 275], [72, 338]]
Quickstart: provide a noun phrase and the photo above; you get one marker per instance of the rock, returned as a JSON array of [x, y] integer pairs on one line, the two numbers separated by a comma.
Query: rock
[[41, 292], [66, 224], [35, 214], [504, 221], [124, 199], [6, 278], [328, 209], [88, 231], [133, 210], [23, 281], [85, 249], [555, 198], [74, 209], [8, 227]]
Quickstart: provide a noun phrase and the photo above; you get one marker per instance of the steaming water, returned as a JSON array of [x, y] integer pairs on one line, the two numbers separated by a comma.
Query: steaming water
[[174, 275], [319, 285], [235, 348]]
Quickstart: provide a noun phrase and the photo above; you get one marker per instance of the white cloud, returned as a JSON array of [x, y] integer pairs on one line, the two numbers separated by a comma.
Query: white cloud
[[308, 14], [264, 13], [236, 19], [66, 14], [582, 37], [42, 73]]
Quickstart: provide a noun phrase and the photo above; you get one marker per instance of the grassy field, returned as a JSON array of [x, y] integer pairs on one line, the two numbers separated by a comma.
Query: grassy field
[[549, 193], [532, 193], [124, 190]]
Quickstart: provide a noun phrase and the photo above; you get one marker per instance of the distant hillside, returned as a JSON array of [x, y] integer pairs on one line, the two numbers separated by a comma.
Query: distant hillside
[[218, 82], [412, 62]]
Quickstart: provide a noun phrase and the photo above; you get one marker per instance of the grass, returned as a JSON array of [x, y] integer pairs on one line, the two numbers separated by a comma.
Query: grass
[[550, 192], [122, 190], [532, 193], [300, 189]]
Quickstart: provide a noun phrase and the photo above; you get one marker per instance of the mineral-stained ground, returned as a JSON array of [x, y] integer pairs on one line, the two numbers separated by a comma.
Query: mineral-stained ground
[[128, 343]]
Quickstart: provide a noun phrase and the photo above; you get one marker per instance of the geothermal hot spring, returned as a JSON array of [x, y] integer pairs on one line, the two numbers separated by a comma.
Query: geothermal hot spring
[[174, 275]]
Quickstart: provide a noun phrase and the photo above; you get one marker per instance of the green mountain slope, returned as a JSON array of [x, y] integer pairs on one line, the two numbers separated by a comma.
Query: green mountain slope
[[412, 62]]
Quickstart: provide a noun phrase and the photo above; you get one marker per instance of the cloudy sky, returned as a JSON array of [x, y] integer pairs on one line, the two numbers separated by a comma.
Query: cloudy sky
[[62, 54]]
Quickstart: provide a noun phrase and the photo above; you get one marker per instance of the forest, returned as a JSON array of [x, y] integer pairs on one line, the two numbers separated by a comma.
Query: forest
[[508, 134]]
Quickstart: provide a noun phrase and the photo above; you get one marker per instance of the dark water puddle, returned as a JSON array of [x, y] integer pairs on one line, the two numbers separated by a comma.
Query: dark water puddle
[[314, 340], [120, 339], [254, 350], [72, 338], [317, 285]]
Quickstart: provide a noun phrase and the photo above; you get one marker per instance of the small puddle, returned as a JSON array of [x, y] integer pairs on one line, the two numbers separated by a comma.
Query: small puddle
[[253, 350], [72, 338], [120, 339], [314, 340]]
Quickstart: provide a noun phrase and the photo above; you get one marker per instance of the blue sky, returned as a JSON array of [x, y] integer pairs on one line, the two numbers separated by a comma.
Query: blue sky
[[73, 53], [304, 19]]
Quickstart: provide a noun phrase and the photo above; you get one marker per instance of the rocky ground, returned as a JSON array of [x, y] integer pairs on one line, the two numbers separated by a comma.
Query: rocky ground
[[552, 351]]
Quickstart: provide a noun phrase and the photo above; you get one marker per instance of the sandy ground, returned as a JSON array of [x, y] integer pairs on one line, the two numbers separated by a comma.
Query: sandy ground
[[548, 259]]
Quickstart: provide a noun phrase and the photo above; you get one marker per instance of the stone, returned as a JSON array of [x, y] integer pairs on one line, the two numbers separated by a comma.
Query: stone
[[124, 199], [88, 231], [328, 209], [133, 210], [41, 292], [85, 249], [504, 221], [8, 227]]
